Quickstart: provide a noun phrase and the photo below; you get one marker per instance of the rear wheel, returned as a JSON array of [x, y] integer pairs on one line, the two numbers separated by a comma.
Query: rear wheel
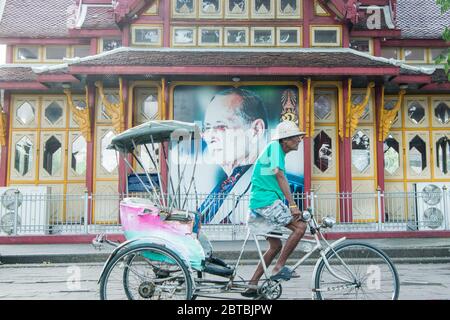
[[369, 272], [146, 272]]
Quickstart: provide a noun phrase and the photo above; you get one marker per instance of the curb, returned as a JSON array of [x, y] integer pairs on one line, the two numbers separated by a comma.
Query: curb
[[398, 255]]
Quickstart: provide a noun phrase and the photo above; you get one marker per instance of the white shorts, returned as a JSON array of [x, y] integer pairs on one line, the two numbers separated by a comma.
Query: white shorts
[[268, 219]]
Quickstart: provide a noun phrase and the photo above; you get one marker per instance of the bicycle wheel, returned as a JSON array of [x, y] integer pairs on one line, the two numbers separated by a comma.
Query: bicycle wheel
[[146, 272], [369, 274]]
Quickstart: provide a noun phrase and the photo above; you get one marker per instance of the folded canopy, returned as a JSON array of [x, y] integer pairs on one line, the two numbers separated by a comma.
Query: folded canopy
[[160, 130]]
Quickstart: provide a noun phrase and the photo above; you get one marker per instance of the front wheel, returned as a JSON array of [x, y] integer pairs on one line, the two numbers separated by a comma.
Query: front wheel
[[146, 272], [367, 272]]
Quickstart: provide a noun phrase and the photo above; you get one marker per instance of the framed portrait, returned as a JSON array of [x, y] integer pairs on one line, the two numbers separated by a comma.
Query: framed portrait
[[210, 9], [289, 36], [262, 36], [263, 9], [184, 36], [226, 152], [289, 9], [184, 9], [236, 36], [146, 35], [209, 36], [236, 9]]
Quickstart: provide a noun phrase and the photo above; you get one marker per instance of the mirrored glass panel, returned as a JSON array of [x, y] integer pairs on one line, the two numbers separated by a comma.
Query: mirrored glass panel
[[23, 157], [416, 112], [288, 7], [53, 112], [25, 113], [417, 155], [237, 6], [27, 53], [52, 156], [210, 6], [443, 154], [360, 151], [184, 6], [391, 155], [322, 151], [262, 6], [322, 107], [108, 158], [78, 160], [149, 107], [442, 113]]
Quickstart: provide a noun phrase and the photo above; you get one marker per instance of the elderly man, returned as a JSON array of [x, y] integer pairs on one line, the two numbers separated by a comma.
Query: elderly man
[[268, 193], [234, 131]]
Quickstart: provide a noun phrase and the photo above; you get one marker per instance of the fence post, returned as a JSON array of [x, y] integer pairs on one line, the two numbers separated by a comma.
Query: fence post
[[16, 210], [234, 226], [86, 211], [312, 201], [445, 194], [380, 210]]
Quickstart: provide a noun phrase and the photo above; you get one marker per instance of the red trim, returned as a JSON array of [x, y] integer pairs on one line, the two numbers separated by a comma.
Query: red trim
[[377, 47], [126, 41], [56, 239], [23, 86], [412, 79], [72, 239], [197, 70], [5, 153], [308, 14], [376, 33], [95, 33], [166, 24], [9, 54], [44, 41], [386, 234], [94, 46], [57, 78], [437, 86], [427, 43], [379, 148]]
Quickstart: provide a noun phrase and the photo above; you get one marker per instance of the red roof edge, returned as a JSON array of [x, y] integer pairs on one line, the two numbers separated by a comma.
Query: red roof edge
[[127, 8], [22, 85]]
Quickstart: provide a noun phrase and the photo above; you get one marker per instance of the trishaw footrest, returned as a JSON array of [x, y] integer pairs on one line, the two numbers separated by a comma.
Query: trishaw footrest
[[218, 267]]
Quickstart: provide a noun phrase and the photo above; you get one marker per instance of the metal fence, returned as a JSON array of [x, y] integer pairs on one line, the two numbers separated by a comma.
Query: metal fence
[[226, 216]]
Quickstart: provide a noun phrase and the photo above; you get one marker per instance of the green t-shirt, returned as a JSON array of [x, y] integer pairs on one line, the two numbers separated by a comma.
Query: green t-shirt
[[265, 189]]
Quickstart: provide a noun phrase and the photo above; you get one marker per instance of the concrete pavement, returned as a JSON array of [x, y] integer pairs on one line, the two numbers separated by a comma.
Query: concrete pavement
[[404, 250]]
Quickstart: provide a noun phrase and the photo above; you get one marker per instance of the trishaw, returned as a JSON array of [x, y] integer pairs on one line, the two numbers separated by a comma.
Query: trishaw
[[167, 256]]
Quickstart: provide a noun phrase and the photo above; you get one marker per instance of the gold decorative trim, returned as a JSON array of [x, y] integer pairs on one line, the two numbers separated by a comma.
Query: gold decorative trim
[[355, 111], [81, 116], [309, 112], [116, 111], [387, 116], [2, 127]]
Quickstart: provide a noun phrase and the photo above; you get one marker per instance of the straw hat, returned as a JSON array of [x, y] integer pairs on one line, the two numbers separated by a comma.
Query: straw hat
[[287, 129]]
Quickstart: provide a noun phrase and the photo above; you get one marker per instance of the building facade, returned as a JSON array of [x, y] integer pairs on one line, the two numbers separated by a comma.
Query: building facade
[[358, 76]]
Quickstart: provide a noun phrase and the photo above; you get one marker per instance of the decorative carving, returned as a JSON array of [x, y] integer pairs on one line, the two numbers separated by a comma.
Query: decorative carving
[[81, 116], [354, 112], [116, 111], [2, 127], [387, 116]]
